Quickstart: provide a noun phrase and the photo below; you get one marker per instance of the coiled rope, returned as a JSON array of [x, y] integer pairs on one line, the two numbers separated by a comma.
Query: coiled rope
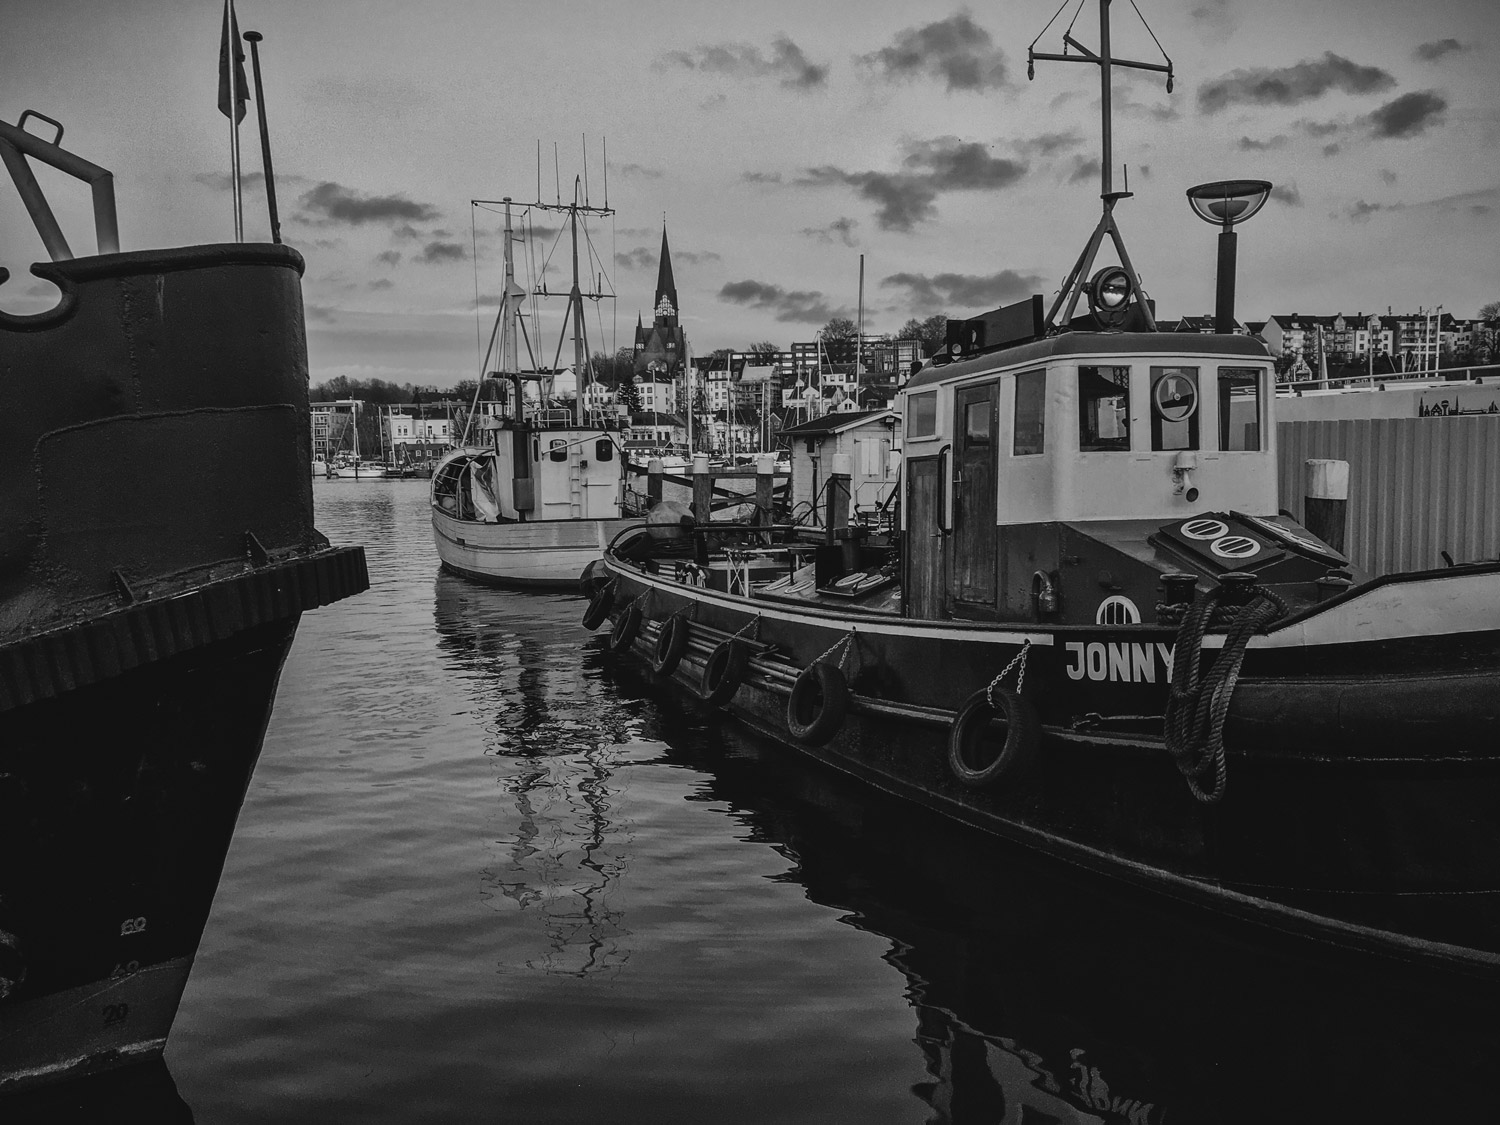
[[1197, 707]]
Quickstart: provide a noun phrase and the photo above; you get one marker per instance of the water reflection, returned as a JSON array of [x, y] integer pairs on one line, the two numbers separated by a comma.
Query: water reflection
[[562, 848], [1041, 994]]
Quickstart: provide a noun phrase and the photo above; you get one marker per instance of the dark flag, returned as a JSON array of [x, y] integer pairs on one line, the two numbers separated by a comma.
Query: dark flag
[[242, 90]]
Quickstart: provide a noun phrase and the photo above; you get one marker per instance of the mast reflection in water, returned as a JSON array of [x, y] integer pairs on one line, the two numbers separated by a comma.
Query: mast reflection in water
[[482, 873], [558, 736]]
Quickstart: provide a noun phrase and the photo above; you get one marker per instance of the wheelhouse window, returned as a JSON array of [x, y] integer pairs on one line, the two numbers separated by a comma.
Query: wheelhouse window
[[557, 449], [1240, 408], [921, 415], [1174, 408], [977, 422], [1103, 409], [1030, 413]]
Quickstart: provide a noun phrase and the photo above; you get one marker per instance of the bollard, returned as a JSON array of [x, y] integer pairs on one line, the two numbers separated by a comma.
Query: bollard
[[703, 489], [1326, 500], [836, 496], [653, 482]]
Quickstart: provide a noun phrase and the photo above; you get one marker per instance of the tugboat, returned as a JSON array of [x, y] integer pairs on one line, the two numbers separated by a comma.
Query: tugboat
[[145, 611], [542, 491], [1095, 635]]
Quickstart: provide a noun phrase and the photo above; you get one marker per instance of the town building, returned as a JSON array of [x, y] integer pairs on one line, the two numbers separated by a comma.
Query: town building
[[872, 441]]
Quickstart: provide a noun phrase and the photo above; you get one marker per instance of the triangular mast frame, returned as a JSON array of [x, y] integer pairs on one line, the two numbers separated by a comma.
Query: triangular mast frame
[[1072, 288]]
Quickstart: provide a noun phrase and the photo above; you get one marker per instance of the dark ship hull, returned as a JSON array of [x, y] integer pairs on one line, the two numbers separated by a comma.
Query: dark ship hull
[[157, 553], [1361, 777]]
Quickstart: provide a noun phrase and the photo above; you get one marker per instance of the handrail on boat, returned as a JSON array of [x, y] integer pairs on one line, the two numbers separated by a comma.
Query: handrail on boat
[[16, 144]]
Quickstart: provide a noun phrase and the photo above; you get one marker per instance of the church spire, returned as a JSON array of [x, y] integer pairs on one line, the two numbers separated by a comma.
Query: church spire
[[666, 288]]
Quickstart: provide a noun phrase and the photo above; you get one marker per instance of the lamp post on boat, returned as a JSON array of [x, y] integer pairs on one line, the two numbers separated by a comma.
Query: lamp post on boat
[[1225, 203]]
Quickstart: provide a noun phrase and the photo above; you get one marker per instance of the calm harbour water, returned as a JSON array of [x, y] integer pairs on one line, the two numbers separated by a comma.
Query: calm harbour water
[[482, 874]]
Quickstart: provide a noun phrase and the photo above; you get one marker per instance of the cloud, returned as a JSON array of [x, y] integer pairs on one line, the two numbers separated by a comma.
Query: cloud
[[1319, 128], [1332, 150], [646, 257], [958, 290], [389, 257], [1085, 168], [381, 283], [638, 171], [1287, 193], [1045, 144], [641, 258], [223, 181], [1291, 85], [1387, 176], [761, 177], [1431, 52], [443, 252], [1406, 116], [1214, 19], [1360, 211], [930, 168], [334, 203], [1250, 144], [790, 306], [956, 51], [324, 314], [840, 230], [786, 63]]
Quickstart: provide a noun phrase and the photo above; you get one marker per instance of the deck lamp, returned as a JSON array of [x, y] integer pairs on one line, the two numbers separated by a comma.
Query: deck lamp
[[1225, 203]]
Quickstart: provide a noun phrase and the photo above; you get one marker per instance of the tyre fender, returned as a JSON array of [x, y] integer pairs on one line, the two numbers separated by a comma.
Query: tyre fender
[[971, 753], [723, 672], [671, 643], [626, 626], [599, 606], [818, 704]]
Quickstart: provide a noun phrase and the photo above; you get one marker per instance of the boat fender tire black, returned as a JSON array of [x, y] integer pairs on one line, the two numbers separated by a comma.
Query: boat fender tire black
[[723, 672], [967, 737], [818, 704], [671, 643], [599, 607], [626, 626]]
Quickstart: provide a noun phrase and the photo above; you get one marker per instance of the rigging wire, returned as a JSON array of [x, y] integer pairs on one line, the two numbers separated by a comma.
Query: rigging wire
[[1151, 33], [1050, 22], [474, 254], [1071, 22]]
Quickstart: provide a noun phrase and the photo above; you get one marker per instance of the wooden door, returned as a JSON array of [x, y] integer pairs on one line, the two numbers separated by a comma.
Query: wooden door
[[973, 567], [924, 583]]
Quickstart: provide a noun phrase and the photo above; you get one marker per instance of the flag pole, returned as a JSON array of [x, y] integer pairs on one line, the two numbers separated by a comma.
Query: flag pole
[[254, 38], [231, 49]]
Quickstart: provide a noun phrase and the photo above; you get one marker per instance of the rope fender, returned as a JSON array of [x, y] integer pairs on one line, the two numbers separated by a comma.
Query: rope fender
[[1197, 707]]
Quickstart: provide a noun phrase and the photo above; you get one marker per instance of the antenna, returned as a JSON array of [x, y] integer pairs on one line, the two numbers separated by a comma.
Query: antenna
[[585, 168]]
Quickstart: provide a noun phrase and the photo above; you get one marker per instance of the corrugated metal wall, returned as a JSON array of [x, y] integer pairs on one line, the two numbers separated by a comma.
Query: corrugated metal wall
[[1417, 486]]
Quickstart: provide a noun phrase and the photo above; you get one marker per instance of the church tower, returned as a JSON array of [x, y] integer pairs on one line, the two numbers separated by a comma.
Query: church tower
[[662, 346]]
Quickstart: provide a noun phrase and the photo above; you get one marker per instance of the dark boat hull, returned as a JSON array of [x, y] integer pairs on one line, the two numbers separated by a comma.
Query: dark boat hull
[[1356, 832], [157, 552]]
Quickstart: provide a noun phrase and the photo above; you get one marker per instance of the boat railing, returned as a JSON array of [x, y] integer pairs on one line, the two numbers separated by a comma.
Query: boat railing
[[16, 144], [1476, 373]]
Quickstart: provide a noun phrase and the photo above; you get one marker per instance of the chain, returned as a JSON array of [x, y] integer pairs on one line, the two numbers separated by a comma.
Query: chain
[[754, 624], [1019, 658], [843, 642]]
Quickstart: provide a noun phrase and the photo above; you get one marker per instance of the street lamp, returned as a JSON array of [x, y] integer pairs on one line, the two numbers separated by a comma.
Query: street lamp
[[1226, 203]]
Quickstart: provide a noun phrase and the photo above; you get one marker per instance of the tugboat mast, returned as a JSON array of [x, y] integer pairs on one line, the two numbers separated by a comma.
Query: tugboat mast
[[1073, 287]]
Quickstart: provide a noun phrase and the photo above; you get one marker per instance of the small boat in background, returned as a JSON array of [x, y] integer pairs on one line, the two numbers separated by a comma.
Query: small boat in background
[[534, 493]]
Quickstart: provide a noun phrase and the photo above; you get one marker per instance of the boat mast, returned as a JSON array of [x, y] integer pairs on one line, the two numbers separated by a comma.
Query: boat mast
[[1072, 288], [575, 308]]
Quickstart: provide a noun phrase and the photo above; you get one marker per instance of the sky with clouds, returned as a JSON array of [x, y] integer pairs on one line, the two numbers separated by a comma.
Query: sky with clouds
[[781, 141]]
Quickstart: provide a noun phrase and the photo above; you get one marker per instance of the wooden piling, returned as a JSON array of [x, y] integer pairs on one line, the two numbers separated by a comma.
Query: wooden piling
[[703, 489], [654, 471], [836, 496]]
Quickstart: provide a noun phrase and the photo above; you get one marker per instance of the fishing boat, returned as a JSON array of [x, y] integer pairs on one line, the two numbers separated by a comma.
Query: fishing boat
[[145, 612], [534, 492], [1094, 634]]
